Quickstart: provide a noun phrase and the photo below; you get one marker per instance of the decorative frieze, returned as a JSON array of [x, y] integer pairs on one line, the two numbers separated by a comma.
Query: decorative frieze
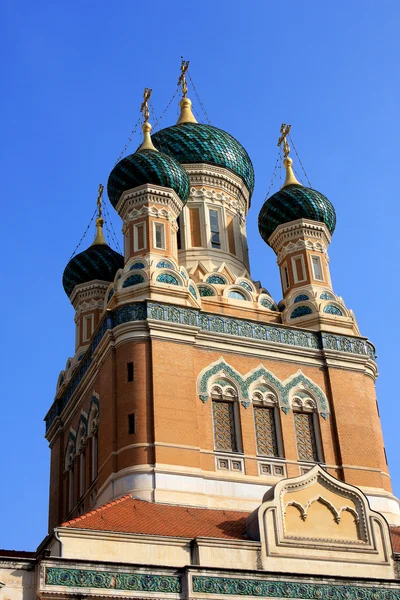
[[137, 582], [238, 328], [290, 589]]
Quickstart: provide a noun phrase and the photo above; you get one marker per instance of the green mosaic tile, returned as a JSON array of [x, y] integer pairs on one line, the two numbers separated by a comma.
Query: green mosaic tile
[[295, 202], [147, 166], [96, 262], [197, 143]]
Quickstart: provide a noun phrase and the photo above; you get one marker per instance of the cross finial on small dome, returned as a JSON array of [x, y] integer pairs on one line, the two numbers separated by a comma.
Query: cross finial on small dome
[[147, 144], [99, 239], [287, 161], [186, 115]]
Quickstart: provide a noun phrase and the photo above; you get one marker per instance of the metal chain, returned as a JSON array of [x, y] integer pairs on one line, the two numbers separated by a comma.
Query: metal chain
[[84, 235], [111, 231], [165, 109], [198, 99], [299, 159], [133, 132], [274, 173]]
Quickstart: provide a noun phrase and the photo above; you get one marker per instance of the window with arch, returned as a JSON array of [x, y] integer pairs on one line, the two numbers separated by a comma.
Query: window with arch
[[266, 422], [70, 470], [81, 448], [227, 435], [306, 427], [92, 442]]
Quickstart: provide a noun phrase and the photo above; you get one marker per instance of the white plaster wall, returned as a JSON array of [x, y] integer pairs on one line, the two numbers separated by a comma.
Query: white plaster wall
[[19, 582]]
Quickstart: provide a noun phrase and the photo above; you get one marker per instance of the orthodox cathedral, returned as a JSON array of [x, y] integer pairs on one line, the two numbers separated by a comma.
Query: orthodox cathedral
[[207, 442]]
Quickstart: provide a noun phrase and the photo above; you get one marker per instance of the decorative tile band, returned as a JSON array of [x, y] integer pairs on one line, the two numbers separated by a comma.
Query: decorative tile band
[[137, 582], [141, 311], [283, 589]]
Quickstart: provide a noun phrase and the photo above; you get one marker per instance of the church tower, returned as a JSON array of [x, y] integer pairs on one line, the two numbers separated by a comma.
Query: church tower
[[190, 385]]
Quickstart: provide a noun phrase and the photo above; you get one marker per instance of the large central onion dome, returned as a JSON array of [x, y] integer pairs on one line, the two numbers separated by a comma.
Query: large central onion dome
[[292, 202], [190, 142], [99, 261], [147, 165]]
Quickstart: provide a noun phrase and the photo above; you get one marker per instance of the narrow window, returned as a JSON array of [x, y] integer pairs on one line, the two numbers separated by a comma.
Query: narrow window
[[267, 443], [317, 269], [284, 277], [139, 237], [231, 234], [94, 456], [224, 426], [298, 270], [179, 233], [131, 423], [214, 227], [87, 327], [159, 241], [195, 233], [130, 371], [82, 473], [70, 488], [305, 436]]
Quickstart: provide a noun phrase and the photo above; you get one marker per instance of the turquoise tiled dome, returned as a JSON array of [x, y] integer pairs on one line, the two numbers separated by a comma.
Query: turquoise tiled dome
[[295, 202], [197, 143], [96, 262], [147, 166]]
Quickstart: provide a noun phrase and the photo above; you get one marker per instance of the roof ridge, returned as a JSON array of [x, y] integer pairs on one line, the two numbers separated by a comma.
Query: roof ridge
[[96, 510]]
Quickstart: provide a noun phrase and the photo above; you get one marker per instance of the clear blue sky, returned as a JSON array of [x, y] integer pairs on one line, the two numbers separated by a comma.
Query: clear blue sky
[[73, 74]]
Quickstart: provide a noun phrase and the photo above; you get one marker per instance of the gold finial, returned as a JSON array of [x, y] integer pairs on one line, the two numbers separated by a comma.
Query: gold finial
[[186, 115], [144, 109], [146, 127], [182, 78], [99, 239], [287, 161]]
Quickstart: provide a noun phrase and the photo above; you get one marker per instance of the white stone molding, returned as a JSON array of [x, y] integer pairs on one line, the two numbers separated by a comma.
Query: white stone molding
[[286, 233], [85, 292], [359, 549], [220, 179], [153, 211], [149, 194]]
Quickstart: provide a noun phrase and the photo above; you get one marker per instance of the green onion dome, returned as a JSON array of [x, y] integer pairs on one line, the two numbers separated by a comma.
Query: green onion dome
[[292, 202], [99, 261], [191, 143], [147, 166], [295, 202]]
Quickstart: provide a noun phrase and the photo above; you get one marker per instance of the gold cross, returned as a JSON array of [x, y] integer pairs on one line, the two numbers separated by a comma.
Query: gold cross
[[145, 104], [285, 130], [100, 202], [182, 78]]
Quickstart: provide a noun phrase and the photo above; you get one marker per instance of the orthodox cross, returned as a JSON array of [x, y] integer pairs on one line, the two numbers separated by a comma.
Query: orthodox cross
[[285, 130], [182, 78], [100, 202], [145, 104]]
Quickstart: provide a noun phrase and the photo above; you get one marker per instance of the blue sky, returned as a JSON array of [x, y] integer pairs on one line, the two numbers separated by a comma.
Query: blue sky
[[73, 80]]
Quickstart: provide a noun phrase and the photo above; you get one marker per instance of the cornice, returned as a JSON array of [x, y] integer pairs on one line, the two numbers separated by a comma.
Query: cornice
[[86, 291], [358, 349], [149, 194], [301, 228], [220, 178]]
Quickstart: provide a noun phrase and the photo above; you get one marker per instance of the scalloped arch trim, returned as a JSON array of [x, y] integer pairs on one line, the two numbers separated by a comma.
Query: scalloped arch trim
[[260, 374]]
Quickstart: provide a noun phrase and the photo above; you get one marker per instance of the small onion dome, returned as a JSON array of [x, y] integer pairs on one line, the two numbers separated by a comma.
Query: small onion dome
[[147, 165], [99, 261], [292, 202], [190, 142]]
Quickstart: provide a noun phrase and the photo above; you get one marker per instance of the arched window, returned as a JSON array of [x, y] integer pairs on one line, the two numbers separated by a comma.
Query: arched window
[[306, 428], [227, 436], [81, 447], [70, 467], [266, 422], [92, 444]]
